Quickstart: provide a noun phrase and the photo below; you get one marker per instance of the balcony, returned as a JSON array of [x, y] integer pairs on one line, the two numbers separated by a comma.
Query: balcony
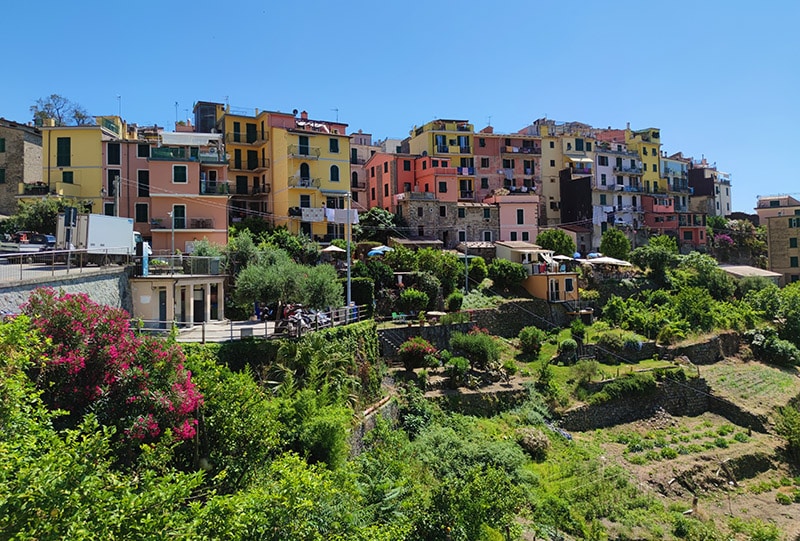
[[358, 185], [212, 157], [169, 154], [520, 150], [628, 170], [244, 138], [249, 165], [465, 150], [442, 149], [307, 183], [415, 196], [466, 195], [200, 223], [216, 187], [357, 161], [303, 152], [33, 189], [245, 189], [581, 170]]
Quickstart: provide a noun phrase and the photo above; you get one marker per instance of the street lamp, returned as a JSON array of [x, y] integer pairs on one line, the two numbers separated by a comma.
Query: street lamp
[[172, 231]]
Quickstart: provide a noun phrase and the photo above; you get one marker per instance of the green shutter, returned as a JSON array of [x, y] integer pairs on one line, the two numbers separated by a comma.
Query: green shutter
[[2, 144], [2, 176], [63, 152]]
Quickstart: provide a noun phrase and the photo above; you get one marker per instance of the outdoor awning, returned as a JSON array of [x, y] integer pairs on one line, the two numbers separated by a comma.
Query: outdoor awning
[[580, 160], [340, 193]]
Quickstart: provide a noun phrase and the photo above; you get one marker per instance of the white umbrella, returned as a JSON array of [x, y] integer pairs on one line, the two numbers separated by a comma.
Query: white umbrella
[[333, 248]]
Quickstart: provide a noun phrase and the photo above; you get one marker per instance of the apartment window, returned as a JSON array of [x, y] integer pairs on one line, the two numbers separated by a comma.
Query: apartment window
[[520, 216], [434, 163], [2, 176], [484, 183], [602, 179], [302, 145], [406, 165], [2, 144], [526, 236], [579, 144], [508, 164], [113, 175], [334, 145], [179, 216], [386, 190], [487, 236], [385, 167], [372, 193], [552, 163], [462, 213], [552, 144], [419, 212], [372, 171], [424, 165], [180, 174], [793, 261], [305, 201], [513, 235], [143, 183], [142, 213], [687, 235], [63, 151], [143, 150], [108, 209], [442, 211], [620, 181], [644, 151], [602, 160], [443, 187], [462, 236], [334, 173], [793, 242], [655, 168], [114, 154], [487, 213], [481, 142], [603, 227], [484, 163], [602, 199], [588, 146], [67, 177]]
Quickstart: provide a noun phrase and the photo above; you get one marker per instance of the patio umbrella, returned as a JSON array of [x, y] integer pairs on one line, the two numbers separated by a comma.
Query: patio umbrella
[[333, 249], [380, 250]]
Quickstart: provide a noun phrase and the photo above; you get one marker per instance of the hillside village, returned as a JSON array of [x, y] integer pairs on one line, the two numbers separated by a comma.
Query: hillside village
[[558, 333]]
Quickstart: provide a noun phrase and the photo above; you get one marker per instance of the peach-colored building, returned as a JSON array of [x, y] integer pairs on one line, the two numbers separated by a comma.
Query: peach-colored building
[[386, 176], [659, 214], [519, 215], [188, 188]]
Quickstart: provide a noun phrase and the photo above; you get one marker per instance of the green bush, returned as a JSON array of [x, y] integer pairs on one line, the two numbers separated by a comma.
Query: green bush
[[625, 386], [456, 369], [505, 273], [454, 301], [478, 271], [531, 340], [481, 349], [766, 346], [412, 300], [413, 353], [568, 350], [577, 329]]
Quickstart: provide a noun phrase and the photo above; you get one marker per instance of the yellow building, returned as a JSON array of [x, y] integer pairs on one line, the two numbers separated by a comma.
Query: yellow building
[[452, 140], [647, 143], [74, 160]]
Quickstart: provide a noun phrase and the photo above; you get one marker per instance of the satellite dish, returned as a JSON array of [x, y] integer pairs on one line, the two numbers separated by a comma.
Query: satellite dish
[[294, 112]]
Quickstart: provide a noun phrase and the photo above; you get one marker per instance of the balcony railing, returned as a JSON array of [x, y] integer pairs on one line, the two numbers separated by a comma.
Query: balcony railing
[[357, 161], [521, 150], [201, 223], [581, 170], [215, 187], [358, 184], [303, 151], [167, 153], [628, 170], [301, 182], [442, 149], [249, 165], [244, 138], [465, 150], [212, 157], [415, 196], [245, 189], [466, 195], [33, 189]]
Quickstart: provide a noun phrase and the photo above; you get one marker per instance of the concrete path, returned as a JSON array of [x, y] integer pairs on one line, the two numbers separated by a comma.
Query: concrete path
[[226, 330]]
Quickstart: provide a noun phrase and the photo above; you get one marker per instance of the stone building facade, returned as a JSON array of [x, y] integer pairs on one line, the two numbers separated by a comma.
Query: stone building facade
[[20, 161], [450, 222]]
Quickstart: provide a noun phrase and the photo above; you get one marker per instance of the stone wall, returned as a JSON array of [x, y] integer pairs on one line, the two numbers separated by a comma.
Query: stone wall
[[437, 335], [108, 286], [481, 404], [709, 351], [509, 318], [22, 161]]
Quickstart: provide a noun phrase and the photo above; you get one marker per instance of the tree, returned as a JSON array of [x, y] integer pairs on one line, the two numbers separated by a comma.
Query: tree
[[376, 224], [657, 256], [615, 244], [505, 273], [60, 109], [667, 242], [40, 215], [556, 240]]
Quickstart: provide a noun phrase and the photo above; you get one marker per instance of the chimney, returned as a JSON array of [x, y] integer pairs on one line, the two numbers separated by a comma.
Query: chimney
[[304, 115]]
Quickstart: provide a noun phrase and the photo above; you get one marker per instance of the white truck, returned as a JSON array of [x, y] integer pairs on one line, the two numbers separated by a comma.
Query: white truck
[[104, 238]]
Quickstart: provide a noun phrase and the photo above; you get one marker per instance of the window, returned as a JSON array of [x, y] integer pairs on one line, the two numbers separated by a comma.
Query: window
[[113, 176], [655, 168], [143, 183], [487, 236], [372, 171], [552, 144], [620, 181], [602, 179], [552, 163], [305, 201], [588, 146], [179, 216], [142, 213], [520, 216], [2, 176], [603, 227], [63, 151], [687, 235], [434, 163], [793, 242], [108, 209], [579, 144], [602, 160], [334, 173], [644, 151], [526, 236], [386, 190], [442, 211], [67, 177], [180, 174], [487, 213], [2, 144], [385, 167], [114, 154], [481, 142], [508, 164], [462, 213], [443, 187], [424, 165], [419, 212], [462, 236], [372, 193], [484, 183], [484, 163], [302, 145], [793, 261], [334, 145], [602, 199], [406, 165], [513, 235], [143, 150]]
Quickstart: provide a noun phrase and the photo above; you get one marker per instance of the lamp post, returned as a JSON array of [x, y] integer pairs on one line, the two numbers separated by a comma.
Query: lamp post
[[349, 226], [172, 232]]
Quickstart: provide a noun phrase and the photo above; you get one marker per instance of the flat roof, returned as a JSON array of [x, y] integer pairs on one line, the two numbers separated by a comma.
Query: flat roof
[[746, 270]]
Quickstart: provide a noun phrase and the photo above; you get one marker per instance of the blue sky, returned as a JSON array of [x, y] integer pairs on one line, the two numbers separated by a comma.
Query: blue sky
[[719, 78]]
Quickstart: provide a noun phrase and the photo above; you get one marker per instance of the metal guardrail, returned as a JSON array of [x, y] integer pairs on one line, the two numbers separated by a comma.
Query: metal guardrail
[[16, 267]]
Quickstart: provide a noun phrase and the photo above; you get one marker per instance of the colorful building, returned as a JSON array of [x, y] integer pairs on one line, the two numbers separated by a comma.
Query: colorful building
[[20, 163], [647, 143], [781, 215]]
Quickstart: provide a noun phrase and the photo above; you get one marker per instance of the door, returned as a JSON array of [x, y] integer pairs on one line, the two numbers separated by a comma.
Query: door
[[162, 308], [199, 304], [303, 145], [252, 133], [554, 290]]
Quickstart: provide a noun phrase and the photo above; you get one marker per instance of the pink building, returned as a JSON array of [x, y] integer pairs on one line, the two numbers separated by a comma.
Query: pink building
[[519, 216], [659, 214]]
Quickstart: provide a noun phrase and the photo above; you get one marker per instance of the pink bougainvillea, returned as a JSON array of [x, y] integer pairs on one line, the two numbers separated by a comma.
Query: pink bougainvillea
[[95, 363]]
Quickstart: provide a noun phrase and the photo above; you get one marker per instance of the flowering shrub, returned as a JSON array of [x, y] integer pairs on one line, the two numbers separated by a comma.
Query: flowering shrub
[[94, 362], [723, 241], [414, 352]]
